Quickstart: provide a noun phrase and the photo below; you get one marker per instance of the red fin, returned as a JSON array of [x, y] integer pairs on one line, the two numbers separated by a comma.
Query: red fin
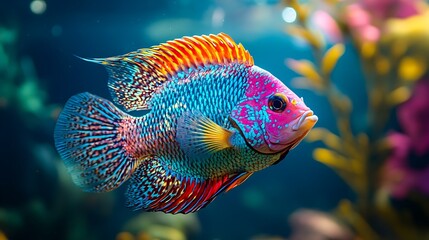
[[135, 76], [239, 181], [154, 188]]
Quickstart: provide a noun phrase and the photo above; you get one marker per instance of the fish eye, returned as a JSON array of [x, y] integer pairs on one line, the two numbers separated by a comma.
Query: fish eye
[[277, 103]]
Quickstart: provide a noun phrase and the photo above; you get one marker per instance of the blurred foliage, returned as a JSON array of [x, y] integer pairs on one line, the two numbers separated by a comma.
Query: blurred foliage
[[393, 49], [19, 86], [29, 209], [160, 226]]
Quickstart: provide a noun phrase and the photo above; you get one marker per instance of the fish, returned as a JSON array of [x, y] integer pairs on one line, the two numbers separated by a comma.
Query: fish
[[211, 119]]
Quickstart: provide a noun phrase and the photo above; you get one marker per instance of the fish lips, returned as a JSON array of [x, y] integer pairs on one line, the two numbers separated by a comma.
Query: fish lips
[[300, 128]]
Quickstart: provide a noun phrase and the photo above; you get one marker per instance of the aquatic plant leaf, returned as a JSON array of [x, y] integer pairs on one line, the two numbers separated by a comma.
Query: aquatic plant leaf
[[382, 65], [331, 58], [3, 235], [368, 49], [313, 39], [304, 83], [302, 11], [332, 2], [341, 101], [307, 70], [399, 47], [363, 141], [344, 167], [332, 159], [346, 211], [411, 69], [330, 139], [411, 27], [398, 96]]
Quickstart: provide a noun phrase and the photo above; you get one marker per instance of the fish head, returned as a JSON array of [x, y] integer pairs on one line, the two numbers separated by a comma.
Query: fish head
[[271, 117]]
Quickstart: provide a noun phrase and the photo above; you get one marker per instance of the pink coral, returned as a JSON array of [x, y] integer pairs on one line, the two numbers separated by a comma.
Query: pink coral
[[407, 167], [367, 17], [327, 25], [359, 21], [414, 117], [383, 9]]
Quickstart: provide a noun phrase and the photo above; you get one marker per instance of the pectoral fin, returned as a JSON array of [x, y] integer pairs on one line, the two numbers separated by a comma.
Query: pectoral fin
[[199, 135]]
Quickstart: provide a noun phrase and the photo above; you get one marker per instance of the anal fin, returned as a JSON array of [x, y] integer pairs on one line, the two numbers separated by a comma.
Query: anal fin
[[239, 180], [155, 188]]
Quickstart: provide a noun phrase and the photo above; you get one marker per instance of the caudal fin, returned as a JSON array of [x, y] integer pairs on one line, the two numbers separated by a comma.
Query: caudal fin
[[89, 138]]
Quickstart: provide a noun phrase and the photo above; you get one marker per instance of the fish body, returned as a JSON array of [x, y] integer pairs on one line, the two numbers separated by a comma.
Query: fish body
[[214, 119], [217, 91]]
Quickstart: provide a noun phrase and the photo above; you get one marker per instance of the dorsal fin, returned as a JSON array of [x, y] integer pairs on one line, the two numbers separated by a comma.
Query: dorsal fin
[[135, 76]]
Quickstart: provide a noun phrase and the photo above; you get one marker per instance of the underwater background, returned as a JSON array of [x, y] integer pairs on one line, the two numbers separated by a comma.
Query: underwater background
[[362, 173]]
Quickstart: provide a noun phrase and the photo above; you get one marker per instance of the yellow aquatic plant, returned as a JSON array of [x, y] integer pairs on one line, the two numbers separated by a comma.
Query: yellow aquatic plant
[[391, 66]]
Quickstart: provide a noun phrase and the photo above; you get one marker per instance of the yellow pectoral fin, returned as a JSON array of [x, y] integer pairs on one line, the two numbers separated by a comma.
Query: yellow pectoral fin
[[199, 135], [214, 137]]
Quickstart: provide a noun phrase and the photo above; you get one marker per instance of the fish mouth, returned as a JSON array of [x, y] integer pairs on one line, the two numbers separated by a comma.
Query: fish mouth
[[300, 129], [307, 120]]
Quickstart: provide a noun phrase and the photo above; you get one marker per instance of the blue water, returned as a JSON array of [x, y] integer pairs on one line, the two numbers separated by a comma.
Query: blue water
[[29, 177]]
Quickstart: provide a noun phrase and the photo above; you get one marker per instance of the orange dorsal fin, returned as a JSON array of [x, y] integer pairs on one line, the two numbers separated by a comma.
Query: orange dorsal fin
[[135, 76], [192, 52]]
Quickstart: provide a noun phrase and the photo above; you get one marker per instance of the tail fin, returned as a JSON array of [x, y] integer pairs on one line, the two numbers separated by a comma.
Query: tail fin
[[89, 138]]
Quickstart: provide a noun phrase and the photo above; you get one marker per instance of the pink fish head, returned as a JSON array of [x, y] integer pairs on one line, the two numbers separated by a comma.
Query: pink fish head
[[271, 117]]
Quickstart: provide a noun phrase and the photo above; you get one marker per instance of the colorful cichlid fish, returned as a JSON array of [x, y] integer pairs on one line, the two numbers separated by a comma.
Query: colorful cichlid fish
[[214, 119]]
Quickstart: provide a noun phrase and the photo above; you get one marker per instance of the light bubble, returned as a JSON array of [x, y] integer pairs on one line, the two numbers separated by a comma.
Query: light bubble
[[218, 17], [289, 15], [38, 6]]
